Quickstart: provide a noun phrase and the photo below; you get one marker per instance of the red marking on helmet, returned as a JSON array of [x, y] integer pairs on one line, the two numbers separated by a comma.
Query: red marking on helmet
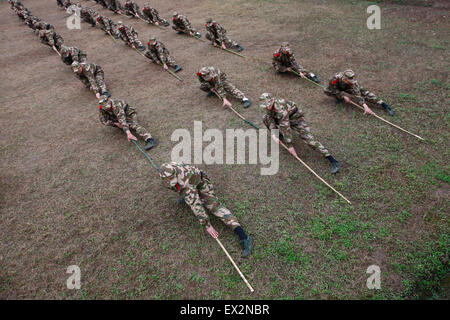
[[99, 107], [334, 81], [276, 55], [198, 74], [206, 24], [178, 187]]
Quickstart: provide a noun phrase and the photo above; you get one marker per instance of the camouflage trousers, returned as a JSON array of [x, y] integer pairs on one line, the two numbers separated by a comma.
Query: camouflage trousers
[[170, 61], [153, 18], [133, 124], [301, 127], [99, 77], [366, 94], [188, 29], [202, 197], [230, 88], [228, 42]]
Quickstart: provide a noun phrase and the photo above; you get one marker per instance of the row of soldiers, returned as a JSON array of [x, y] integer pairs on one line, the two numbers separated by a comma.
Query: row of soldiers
[[192, 184], [281, 114], [215, 32]]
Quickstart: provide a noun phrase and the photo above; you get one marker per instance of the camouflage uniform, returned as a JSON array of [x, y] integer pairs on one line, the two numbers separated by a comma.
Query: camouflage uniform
[[114, 5], [51, 38], [23, 13], [219, 82], [117, 110], [281, 61], [107, 25], [217, 34], [152, 15], [182, 24], [131, 8], [336, 87], [31, 21], [159, 54], [286, 116], [39, 25], [197, 190], [92, 75], [129, 35], [71, 54], [88, 15]]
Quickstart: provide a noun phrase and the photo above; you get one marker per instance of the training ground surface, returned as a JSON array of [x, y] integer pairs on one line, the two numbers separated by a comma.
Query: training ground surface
[[74, 192]]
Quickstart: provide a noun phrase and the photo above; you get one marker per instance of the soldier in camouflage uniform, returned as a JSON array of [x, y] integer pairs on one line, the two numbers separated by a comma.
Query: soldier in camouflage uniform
[[158, 53], [114, 5], [88, 15], [23, 13], [151, 15], [107, 25], [283, 60], [194, 186], [39, 25], [345, 82], [286, 116], [131, 9], [92, 76], [182, 25], [129, 36], [213, 80], [117, 113], [71, 54], [31, 21], [218, 36], [51, 38]]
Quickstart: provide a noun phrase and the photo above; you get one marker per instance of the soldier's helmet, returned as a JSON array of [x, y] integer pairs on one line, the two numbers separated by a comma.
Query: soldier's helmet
[[151, 38], [167, 171], [209, 20], [175, 14], [119, 22], [349, 74], [285, 47], [205, 73], [264, 100], [75, 65]]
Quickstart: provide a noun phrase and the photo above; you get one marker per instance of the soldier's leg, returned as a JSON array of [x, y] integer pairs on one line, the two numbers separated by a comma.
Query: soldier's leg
[[231, 89], [305, 133], [134, 125], [193, 200], [209, 36], [213, 204], [230, 43], [170, 61], [100, 79], [372, 98]]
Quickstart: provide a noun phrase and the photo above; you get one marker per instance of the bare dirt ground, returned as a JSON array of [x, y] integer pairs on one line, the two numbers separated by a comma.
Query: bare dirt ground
[[74, 192]]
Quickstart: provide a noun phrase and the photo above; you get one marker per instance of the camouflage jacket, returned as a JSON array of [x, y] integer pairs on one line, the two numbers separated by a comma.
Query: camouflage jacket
[[106, 24], [338, 87], [71, 54], [182, 22], [157, 51], [131, 8], [216, 82], [89, 71], [217, 31], [50, 37], [88, 14], [186, 177], [128, 34], [282, 61], [116, 110], [281, 116], [152, 13]]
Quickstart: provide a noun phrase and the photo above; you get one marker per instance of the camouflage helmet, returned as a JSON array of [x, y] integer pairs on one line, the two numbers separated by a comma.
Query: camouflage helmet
[[119, 22], [174, 14], [264, 100], [167, 171], [349, 74], [75, 65], [209, 20], [204, 73], [152, 38]]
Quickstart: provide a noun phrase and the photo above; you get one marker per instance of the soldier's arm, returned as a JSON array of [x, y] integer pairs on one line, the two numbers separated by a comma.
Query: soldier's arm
[[103, 119], [356, 90], [162, 55]]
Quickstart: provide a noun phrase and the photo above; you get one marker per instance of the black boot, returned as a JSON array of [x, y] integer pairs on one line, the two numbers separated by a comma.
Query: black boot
[[180, 32], [239, 48], [198, 35], [209, 94], [177, 68], [313, 77], [166, 24], [150, 143], [339, 101], [246, 102], [181, 201], [247, 246], [387, 108], [335, 165], [142, 48]]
